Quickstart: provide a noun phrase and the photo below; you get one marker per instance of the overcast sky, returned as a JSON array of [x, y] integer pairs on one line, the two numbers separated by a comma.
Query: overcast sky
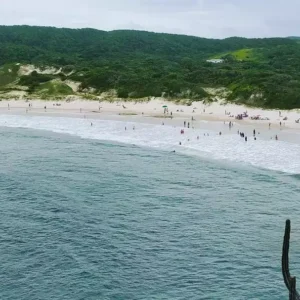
[[206, 18]]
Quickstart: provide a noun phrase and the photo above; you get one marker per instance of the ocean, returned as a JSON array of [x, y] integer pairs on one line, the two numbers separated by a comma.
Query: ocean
[[100, 212]]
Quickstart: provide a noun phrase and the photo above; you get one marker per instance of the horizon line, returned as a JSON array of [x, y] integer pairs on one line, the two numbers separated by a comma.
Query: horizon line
[[148, 31]]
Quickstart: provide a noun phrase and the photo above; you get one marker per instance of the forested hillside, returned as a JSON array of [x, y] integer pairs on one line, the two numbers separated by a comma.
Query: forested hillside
[[260, 72]]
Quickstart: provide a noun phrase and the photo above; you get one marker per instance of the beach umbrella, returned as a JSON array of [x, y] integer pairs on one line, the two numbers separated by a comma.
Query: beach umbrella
[[165, 106]]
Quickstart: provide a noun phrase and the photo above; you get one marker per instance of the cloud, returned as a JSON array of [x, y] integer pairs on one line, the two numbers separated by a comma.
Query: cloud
[[207, 18]]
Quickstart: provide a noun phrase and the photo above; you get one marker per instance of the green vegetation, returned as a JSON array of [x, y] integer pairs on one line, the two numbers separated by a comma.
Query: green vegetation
[[34, 80], [8, 74], [53, 88], [136, 64], [242, 55]]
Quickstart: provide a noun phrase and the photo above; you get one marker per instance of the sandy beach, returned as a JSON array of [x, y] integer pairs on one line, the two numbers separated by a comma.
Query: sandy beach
[[158, 108]]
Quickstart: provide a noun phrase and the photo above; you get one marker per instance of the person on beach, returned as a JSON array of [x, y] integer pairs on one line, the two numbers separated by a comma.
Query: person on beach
[[8, 106], [198, 137], [269, 125], [188, 124], [91, 124], [125, 128], [184, 123], [276, 137], [162, 123], [246, 139], [133, 127], [220, 133], [179, 143], [182, 131], [280, 124], [254, 132], [254, 138]]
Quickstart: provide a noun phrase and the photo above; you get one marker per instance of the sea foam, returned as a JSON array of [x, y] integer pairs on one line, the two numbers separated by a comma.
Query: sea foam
[[268, 154]]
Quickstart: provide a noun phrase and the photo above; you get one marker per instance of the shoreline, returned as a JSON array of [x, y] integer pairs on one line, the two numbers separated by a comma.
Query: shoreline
[[258, 146], [214, 112]]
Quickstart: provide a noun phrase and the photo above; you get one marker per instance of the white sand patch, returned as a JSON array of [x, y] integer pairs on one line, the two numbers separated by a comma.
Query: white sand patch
[[73, 85], [216, 91], [16, 88], [112, 94], [89, 90], [28, 69], [14, 94], [70, 73]]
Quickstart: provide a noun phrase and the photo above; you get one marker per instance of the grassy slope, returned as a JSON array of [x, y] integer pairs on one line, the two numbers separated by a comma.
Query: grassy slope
[[53, 88], [8, 74], [245, 54]]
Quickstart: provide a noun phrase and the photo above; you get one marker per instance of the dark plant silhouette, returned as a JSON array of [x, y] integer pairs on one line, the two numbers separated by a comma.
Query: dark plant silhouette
[[289, 280]]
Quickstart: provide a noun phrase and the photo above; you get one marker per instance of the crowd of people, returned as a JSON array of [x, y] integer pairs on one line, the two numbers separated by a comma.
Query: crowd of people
[[230, 124], [187, 125]]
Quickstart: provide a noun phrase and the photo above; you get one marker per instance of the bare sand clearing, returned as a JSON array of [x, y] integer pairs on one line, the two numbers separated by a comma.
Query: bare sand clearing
[[156, 109]]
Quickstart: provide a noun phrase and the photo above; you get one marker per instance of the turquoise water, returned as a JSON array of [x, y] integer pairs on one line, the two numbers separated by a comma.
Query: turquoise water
[[89, 219]]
